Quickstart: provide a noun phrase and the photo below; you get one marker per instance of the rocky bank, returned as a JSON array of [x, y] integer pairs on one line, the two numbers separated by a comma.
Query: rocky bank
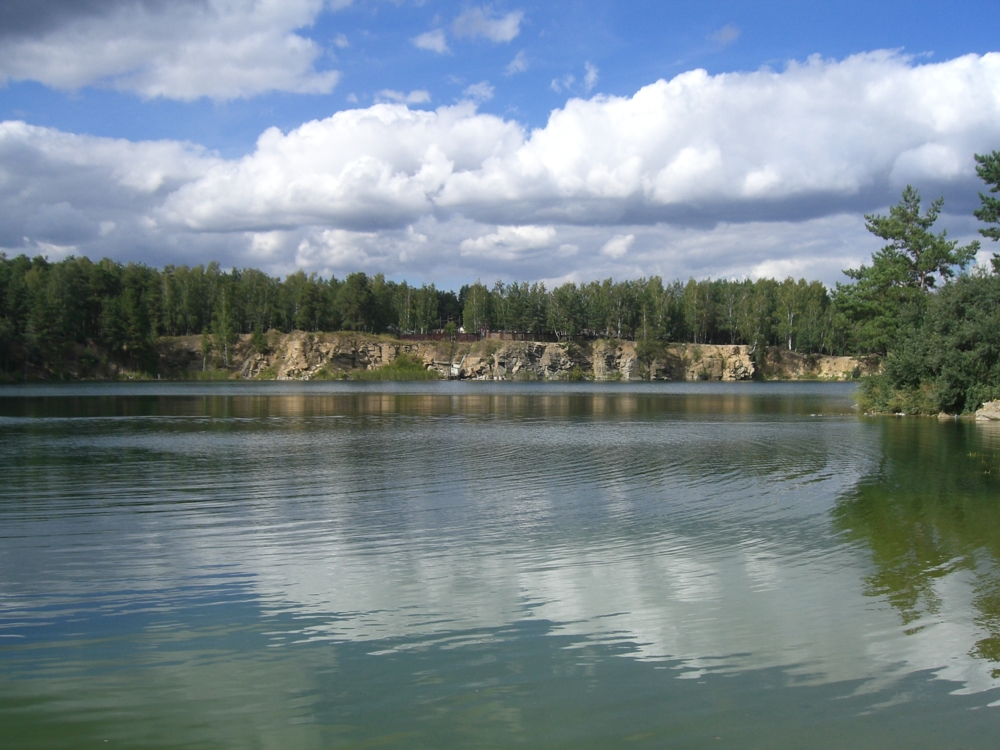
[[989, 413], [305, 356]]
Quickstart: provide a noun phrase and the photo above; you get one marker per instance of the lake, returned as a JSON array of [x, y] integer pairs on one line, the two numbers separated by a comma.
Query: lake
[[437, 565]]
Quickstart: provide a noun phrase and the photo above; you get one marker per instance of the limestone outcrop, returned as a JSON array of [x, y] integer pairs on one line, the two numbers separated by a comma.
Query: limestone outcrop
[[781, 364], [519, 360], [305, 356], [989, 413], [704, 362]]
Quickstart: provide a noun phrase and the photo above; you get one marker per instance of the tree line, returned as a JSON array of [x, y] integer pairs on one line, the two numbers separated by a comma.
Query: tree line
[[124, 308]]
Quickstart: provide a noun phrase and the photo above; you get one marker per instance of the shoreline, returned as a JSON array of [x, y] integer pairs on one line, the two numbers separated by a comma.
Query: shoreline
[[339, 356]]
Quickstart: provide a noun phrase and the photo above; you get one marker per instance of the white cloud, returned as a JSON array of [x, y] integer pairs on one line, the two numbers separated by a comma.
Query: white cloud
[[340, 41], [338, 248], [222, 49], [433, 41], [509, 242], [482, 22], [590, 79], [361, 169], [735, 174], [618, 246], [726, 35], [479, 92], [518, 65], [418, 96], [95, 195]]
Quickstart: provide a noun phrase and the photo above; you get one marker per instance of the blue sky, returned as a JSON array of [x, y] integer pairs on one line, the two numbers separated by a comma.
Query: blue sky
[[484, 140]]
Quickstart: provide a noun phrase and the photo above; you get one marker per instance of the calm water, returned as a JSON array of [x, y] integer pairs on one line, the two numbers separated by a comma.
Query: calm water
[[474, 565]]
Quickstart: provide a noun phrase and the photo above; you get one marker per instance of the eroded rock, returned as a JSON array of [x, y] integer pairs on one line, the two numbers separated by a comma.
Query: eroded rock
[[989, 413], [303, 356]]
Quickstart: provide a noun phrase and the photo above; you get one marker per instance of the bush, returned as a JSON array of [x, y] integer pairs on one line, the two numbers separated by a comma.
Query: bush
[[404, 367], [949, 359]]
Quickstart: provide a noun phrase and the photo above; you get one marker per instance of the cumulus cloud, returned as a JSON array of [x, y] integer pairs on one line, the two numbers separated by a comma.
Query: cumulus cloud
[[508, 243], [590, 78], [360, 169], [815, 139], [735, 174], [433, 41], [222, 49], [61, 193], [483, 22], [618, 246]]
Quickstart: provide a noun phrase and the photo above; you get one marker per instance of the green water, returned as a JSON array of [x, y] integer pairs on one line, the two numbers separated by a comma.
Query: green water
[[445, 565]]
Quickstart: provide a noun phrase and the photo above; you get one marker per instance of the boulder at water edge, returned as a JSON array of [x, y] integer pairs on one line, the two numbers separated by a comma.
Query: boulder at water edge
[[989, 413]]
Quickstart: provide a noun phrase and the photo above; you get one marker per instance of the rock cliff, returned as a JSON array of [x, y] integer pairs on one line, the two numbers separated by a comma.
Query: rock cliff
[[305, 356]]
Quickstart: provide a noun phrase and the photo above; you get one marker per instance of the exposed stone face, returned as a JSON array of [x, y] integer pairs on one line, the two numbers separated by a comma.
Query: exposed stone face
[[705, 362], [302, 356], [615, 361], [989, 413], [521, 360], [782, 364]]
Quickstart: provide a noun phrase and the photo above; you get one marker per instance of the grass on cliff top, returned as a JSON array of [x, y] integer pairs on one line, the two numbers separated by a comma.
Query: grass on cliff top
[[404, 367]]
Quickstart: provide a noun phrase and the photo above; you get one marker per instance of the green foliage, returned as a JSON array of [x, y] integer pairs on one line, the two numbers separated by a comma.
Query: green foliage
[[476, 307], [324, 373], [943, 348], [258, 342], [948, 359], [206, 348], [403, 367], [566, 311], [922, 257], [988, 169], [647, 350], [356, 303], [890, 295]]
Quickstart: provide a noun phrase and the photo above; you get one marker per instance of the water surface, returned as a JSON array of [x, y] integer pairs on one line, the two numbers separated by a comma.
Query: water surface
[[314, 565]]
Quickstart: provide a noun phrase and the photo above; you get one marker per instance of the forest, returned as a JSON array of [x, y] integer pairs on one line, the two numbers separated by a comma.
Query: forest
[[122, 309], [917, 308]]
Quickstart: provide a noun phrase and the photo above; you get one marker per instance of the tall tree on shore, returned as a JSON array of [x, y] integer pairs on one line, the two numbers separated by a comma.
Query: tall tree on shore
[[891, 291], [476, 313], [566, 311], [355, 303], [988, 169], [925, 257]]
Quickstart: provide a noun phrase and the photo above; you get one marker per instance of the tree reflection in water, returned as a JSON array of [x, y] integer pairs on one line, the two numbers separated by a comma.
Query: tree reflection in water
[[932, 510]]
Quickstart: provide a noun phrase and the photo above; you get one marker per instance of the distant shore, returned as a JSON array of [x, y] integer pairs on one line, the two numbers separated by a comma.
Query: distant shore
[[331, 356]]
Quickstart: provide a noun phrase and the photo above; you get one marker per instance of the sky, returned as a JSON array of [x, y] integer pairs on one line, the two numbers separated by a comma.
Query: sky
[[447, 142]]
